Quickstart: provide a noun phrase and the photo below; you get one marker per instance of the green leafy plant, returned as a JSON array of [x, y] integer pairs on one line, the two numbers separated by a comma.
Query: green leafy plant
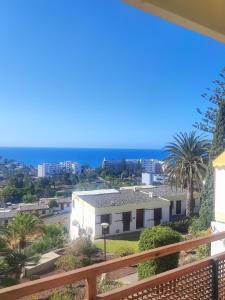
[[67, 263], [124, 251], [156, 237]]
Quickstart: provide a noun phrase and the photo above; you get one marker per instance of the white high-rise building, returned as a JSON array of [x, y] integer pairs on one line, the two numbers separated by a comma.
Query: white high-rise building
[[50, 169]]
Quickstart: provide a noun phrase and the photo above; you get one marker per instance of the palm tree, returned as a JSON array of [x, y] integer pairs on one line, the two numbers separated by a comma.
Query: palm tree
[[186, 163], [23, 228]]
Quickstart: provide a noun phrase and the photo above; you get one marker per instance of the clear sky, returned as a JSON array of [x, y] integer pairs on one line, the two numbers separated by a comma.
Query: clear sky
[[98, 73]]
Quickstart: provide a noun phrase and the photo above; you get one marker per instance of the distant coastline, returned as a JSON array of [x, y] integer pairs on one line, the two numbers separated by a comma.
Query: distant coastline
[[86, 156]]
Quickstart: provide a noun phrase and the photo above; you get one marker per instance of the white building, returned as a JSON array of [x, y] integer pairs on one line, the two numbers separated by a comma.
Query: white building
[[126, 210], [149, 178], [219, 203], [7, 213], [51, 169], [153, 166]]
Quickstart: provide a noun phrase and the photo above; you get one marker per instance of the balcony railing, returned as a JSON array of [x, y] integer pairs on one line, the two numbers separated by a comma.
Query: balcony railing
[[204, 279]]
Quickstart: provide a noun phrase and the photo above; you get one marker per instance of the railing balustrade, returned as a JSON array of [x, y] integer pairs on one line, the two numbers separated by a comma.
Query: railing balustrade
[[206, 277]]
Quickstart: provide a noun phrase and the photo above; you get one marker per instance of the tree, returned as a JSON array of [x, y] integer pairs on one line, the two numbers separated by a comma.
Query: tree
[[154, 237], [186, 163], [214, 96], [29, 198], [218, 146], [57, 234], [23, 228], [53, 203]]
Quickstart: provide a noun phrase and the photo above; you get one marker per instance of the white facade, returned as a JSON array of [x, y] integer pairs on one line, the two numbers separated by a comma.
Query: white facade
[[150, 178], [219, 224], [88, 219], [49, 169], [153, 166]]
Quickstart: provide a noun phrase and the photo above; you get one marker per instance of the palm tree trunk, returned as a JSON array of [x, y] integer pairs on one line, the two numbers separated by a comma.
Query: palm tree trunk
[[189, 201]]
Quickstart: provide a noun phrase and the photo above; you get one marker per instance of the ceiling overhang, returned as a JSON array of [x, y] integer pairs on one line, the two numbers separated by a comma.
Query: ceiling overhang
[[203, 16]]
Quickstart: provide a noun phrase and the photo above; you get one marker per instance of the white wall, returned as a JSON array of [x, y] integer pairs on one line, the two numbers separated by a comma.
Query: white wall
[[146, 178], [219, 224], [83, 216], [116, 226]]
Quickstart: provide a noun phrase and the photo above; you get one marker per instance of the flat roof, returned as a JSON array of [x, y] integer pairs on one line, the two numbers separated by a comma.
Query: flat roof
[[112, 197]]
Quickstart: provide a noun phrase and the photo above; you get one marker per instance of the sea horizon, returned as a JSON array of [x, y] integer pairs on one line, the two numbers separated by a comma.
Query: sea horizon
[[84, 155]]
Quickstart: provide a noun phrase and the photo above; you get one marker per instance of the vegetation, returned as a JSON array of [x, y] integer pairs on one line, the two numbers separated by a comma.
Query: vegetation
[[186, 164], [68, 263], [22, 229], [218, 146], [181, 225], [124, 251], [156, 237], [122, 241], [81, 246]]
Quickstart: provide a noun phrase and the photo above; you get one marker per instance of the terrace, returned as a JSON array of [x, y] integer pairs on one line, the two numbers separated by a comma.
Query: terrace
[[202, 279]]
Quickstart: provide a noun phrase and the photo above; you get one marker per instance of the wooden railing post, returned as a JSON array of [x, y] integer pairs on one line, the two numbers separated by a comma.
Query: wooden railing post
[[215, 279], [91, 287]]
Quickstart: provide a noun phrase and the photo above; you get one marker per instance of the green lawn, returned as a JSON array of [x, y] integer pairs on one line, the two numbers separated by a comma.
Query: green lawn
[[114, 243]]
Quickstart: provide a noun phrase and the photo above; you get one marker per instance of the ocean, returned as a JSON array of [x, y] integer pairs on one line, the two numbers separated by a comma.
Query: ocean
[[86, 156]]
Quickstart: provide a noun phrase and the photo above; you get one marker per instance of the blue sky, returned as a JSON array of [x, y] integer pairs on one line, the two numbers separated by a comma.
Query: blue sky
[[98, 73]]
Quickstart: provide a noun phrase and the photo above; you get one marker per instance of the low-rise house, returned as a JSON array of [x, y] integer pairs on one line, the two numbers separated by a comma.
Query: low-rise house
[[125, 210], [64, 204], [11, 211]]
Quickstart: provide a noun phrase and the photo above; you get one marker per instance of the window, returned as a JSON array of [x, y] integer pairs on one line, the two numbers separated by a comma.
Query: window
[[178, 207]]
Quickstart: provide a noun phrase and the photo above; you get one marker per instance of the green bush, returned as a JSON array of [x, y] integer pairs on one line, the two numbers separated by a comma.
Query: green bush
[[86, 261], [82, 246], [8, 281], [156, 237], [181, 226], [124, 251], [67, 263], [203, 251], [40, 246], [104, 285]]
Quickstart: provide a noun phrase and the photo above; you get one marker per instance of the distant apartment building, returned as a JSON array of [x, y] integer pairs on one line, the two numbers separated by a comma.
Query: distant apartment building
[[132, 165], [150, 178], [65, 167], [154, 166]]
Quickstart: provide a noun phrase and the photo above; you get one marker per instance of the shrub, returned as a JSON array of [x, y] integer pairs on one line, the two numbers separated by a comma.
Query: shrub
[[86, 261], [156, 237], [67, 263], [181, 226], [203, 251], [104, 285], [40, 246], [82, 246], [8, 281], [124, 251]]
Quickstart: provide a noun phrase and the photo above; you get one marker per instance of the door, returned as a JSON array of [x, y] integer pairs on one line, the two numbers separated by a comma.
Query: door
[[171, 209], [139, 218], [178, 207], [157, 216], [126, 221]]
